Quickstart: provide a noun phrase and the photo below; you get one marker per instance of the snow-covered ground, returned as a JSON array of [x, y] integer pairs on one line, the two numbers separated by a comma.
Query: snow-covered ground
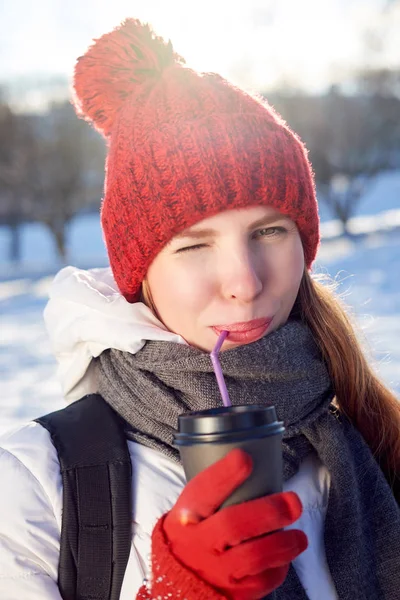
[[367, 267]]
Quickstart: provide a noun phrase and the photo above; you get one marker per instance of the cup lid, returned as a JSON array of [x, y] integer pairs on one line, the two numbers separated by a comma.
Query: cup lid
[[227, 419]]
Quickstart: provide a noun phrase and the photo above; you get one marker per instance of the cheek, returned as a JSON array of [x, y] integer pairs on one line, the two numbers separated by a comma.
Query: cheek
[[286, 270], [178, 292], [292, 270], [295, 265]]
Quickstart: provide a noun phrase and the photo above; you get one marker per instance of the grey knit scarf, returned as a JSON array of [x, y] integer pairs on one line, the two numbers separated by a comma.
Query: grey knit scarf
[[362, 525]]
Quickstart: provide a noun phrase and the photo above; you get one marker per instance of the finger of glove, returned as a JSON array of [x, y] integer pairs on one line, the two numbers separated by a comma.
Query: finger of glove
[[205, 493], [259, 586], [235, 524], [268, 552]]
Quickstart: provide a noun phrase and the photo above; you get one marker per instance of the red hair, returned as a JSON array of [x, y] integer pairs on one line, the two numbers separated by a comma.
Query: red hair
[[360, 395]]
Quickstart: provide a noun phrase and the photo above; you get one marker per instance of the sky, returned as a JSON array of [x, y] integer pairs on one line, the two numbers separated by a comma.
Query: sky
[[255, 43]]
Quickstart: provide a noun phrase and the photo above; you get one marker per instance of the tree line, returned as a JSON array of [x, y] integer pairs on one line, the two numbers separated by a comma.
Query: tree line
[[52, 164], [351, 137], [51, 168]]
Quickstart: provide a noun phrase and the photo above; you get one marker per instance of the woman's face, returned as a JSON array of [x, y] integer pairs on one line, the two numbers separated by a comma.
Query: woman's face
[[239, 270]]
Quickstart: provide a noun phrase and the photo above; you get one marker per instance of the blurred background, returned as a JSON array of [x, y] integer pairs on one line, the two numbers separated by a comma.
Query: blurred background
[[330, 67]]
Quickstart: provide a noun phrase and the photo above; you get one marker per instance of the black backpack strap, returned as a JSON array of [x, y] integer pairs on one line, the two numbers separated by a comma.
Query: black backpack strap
[[97, 515]]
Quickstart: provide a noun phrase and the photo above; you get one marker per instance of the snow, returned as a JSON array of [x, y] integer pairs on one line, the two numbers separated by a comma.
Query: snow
[[365, 265], [368, 273], [85, 245], [382, 194], [361, 225]]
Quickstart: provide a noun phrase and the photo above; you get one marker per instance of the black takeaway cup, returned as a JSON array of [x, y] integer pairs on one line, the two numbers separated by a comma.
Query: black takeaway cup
[[206, 436]]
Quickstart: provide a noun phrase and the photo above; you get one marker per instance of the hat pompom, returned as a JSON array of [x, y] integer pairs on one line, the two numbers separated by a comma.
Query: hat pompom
[[114, 66]]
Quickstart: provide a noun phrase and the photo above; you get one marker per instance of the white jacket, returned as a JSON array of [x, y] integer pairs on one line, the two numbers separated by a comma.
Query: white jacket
[[86, 315]]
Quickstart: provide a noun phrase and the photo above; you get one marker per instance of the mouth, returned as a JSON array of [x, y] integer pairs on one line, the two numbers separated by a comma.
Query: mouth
[[245, 332]]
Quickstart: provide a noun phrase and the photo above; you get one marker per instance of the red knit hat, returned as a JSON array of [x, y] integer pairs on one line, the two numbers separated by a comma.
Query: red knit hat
[[183, 146]]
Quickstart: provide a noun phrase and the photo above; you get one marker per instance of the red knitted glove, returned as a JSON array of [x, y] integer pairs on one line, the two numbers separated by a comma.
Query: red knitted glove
[[239, 550], [170, 579]]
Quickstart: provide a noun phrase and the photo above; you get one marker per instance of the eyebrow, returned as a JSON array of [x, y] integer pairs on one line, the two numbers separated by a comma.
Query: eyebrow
[[196, 234]]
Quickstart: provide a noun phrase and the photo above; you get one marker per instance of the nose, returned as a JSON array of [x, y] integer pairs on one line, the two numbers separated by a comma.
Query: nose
[[241, 277]]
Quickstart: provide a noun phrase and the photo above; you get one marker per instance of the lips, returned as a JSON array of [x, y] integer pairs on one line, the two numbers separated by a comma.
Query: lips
[[245, 332]]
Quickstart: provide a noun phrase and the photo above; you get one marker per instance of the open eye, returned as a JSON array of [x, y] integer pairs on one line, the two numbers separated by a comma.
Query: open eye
[[271, 231]]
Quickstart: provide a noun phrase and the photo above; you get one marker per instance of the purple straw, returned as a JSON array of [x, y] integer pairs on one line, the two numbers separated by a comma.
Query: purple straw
[[218, 370]]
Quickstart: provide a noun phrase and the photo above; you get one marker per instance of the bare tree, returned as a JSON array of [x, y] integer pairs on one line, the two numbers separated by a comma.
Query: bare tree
[[381, 82], [350, 140], [13, 163], [51, 167], [65, 173]]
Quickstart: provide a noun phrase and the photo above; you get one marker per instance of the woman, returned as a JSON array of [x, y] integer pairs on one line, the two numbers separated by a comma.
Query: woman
[[211, 224]]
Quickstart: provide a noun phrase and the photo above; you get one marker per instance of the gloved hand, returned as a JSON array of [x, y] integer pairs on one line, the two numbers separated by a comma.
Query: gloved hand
[[240, 549]]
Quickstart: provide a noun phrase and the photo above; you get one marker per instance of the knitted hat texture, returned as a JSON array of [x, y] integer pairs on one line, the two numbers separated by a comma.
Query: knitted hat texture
[[183, 146]]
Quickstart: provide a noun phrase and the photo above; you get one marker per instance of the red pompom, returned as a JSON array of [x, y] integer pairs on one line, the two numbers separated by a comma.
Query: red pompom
[[114, 66]]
